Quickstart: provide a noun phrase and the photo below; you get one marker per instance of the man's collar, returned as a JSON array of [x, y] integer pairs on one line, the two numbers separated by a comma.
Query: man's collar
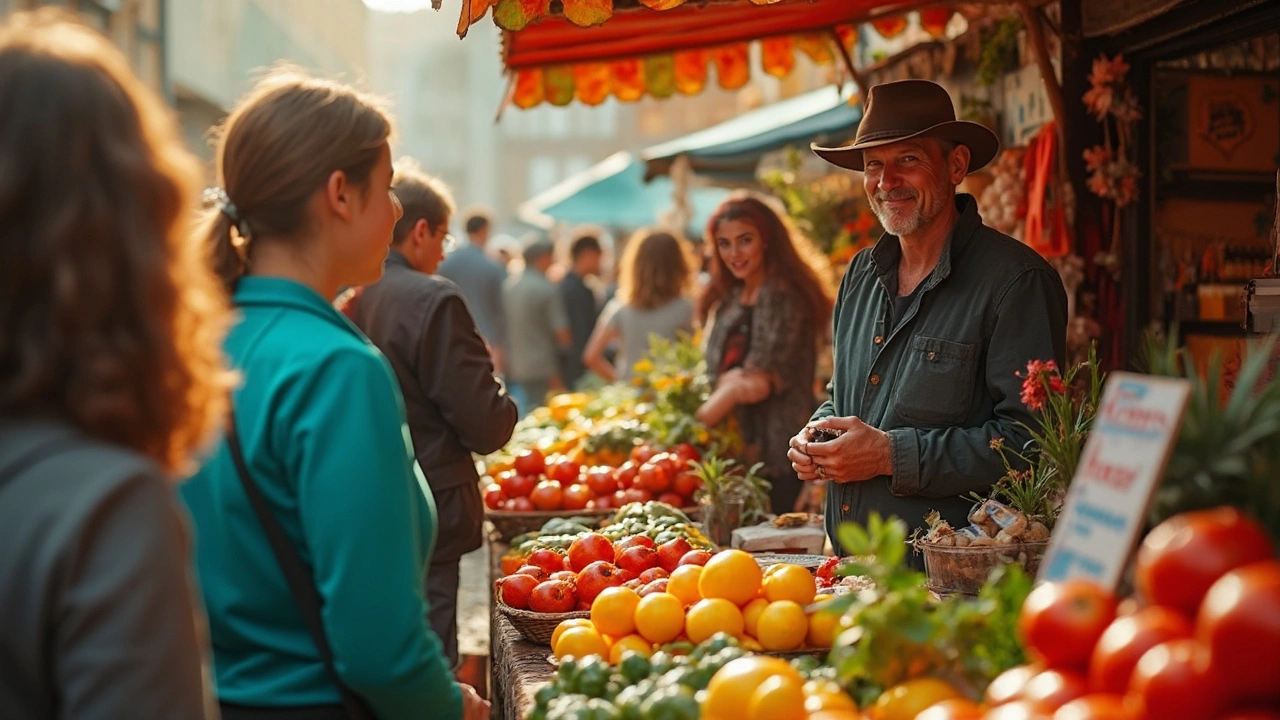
[[395, 257], [888, 250]]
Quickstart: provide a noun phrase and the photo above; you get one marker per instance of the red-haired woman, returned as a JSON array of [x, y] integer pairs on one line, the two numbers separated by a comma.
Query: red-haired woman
[[765, 309]]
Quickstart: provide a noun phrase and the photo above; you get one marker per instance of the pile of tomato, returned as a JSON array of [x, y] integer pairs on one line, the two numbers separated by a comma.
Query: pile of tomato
[[537, 482], [1199, 641]]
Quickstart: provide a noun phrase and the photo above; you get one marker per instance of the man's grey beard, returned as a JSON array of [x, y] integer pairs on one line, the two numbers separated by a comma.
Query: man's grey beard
[[898, 225]]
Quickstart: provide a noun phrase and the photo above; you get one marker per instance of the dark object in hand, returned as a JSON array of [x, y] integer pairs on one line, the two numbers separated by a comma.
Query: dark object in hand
[[817, 434]]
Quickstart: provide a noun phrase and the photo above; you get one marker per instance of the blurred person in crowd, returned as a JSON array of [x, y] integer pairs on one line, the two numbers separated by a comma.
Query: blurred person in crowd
[[933, 324], [317, 477], [654, 277], [111, 381], [454, 405], [766, 308], [504, 250], [539, 327], [480, 278], [580, 302]]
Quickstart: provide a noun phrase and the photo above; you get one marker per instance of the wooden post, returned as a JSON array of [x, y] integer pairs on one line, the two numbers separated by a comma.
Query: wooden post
[[860, 81], [1052, 88]]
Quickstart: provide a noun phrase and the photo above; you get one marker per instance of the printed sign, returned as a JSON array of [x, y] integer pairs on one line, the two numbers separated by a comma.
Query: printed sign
[[1122, 463], [1231, 123], [1224, 122]]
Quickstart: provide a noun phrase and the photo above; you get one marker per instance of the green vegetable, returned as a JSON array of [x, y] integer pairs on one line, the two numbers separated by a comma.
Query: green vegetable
[[634, 667]]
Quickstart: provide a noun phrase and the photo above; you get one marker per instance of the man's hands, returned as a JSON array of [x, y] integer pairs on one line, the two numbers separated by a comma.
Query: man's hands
[[860, 453], [474, 707]]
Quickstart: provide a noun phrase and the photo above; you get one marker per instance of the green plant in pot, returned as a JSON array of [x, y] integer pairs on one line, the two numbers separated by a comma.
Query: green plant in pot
[[731, 496]]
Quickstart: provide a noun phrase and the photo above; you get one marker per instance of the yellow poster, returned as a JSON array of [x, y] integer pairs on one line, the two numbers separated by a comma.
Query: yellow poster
[[1234, 123]]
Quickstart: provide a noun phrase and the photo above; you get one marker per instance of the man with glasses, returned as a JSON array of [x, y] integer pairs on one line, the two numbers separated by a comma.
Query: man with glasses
[[454, 404]]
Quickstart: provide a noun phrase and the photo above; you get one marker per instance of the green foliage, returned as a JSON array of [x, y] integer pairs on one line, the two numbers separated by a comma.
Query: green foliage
[[831, 211], [1228, 449], [999, 51], [724, 479], [898, 630]]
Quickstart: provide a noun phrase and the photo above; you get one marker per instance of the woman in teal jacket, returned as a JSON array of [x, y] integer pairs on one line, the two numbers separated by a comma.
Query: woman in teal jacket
[[306, 173]]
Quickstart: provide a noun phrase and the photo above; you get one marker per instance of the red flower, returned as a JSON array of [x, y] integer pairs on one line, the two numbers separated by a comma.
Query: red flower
[[1041, 378]]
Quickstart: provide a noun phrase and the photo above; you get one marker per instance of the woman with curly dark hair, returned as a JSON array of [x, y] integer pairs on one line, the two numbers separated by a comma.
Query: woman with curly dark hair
[[111, 378], [765, 309]]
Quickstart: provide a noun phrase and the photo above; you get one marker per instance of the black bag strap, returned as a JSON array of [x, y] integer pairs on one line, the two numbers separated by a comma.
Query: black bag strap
[[301, 584]]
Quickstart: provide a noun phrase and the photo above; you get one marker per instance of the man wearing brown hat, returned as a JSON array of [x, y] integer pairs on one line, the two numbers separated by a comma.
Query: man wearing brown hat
[[932, 325]]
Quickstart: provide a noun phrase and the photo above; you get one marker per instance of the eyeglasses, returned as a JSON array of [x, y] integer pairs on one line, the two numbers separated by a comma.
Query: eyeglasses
[[450, 243]]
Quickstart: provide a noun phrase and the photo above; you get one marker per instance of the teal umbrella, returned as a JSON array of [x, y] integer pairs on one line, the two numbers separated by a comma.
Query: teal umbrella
[[613, 193]]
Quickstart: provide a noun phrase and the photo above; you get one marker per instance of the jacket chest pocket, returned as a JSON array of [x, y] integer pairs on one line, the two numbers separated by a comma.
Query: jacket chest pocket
[[935, 386]]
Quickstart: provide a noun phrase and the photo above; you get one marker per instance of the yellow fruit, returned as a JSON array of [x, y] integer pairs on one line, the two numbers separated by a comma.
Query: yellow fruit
[[630, 643], [732, 575], [834, 715], [660, 617], [708, 617], [683, 583], [750, 644], [824, 625], [730, 691], [782, 626], [779, 698], [571, 623], [614, 611], [814, 687], [751, 614], [831, 699], [789, 582], [905, 701], [580, 642]]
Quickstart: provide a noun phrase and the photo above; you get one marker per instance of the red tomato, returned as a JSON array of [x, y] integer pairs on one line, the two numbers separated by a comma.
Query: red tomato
[[686, 484], [547, 495], [531, 462], [633, 541], [1017, 710], [553, 596], [953, 709], [1172, 680], [619, 499], [588, 549], [494, 498], [514, 486], [519, 504], [669, 464], [604, 502], [1239, 623], [1008, 685], [626, 475], [576, 497], [1126, 640], [685, 452], [1052, 689], [601, 481], [549, 560], [671, 499], [1251, 714], [1096, 707], [653, 477], [640, 454], [1062, 621], [565, 472], [516, 589], [636, 495], [1187, 553]]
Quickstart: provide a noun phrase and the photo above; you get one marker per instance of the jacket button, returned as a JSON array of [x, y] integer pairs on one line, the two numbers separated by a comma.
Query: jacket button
[[933, 356], [879, 339], [875, 379], [844, 507]]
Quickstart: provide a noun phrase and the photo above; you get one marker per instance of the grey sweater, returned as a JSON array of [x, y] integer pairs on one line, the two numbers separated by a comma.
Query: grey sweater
[[97, 614]]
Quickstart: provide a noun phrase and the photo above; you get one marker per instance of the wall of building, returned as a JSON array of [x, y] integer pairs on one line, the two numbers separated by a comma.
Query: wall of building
[[137, 27]]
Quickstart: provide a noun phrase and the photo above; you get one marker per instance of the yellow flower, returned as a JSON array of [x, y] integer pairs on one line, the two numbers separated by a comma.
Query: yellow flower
[[643, 366]]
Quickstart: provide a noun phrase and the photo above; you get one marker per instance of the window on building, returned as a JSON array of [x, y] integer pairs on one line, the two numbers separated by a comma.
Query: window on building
[[544, 172]]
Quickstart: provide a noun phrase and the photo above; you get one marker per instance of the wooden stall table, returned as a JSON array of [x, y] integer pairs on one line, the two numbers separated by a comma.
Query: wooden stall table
[[518, 668]]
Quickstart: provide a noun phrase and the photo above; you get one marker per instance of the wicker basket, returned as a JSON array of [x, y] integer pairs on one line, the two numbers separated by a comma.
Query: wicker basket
[[537, 627], [509, 524], [963, 570]]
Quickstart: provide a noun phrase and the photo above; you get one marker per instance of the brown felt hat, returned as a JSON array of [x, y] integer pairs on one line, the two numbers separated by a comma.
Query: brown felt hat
[[908, 109]]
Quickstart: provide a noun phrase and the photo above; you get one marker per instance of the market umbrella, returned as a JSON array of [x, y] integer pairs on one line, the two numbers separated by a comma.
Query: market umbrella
[[730, 151], [587, 52], [614, 193]]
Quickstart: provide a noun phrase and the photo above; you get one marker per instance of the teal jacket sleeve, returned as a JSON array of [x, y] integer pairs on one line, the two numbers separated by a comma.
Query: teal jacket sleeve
[[363, 525]]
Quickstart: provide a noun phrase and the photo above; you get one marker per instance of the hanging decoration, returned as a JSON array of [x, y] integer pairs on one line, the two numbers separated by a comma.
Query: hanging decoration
[[1113, 176]]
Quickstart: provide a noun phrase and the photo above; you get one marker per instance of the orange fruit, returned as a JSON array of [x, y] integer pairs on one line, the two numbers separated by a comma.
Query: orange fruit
[[630, 643], [708, 617], [660, 617], [789, 582], [684, 582], [732, 575], [834, 715], [614, 611], [779, 698], [782, 626], [730, 691], [751, 614], [580, 642], [908, 699], [824, 625], [830, 699], [750, 644], [565, 625]]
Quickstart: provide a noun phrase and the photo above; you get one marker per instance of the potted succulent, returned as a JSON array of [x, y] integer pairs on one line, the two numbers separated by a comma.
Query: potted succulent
[[731, 497], [1012, 524]]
